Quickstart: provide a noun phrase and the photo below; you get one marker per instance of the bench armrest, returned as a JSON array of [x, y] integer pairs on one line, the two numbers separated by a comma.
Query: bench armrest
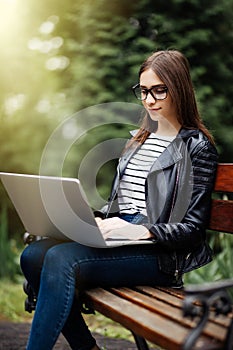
[[208, 288], [199, 300]]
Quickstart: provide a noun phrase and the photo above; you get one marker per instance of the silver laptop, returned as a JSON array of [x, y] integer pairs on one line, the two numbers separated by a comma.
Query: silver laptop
[[56, 207]]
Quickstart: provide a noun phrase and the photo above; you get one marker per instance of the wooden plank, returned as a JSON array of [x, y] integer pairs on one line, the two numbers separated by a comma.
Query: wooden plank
[[173, 296], [163, 294], [150, 303], [221, 218], [224, 177], [177, 292], [168, 312], [143, 322]]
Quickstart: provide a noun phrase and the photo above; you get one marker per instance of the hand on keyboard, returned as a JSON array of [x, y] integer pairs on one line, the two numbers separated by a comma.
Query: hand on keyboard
[[116, 228]]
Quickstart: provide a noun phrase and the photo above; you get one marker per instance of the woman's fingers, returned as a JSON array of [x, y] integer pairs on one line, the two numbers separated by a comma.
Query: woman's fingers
[[112, 224]]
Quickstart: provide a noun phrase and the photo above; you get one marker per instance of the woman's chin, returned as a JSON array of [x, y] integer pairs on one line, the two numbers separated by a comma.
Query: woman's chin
[[155, 116]]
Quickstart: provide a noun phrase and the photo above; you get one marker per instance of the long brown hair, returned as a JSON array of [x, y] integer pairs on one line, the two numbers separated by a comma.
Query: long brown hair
[[172, 67]]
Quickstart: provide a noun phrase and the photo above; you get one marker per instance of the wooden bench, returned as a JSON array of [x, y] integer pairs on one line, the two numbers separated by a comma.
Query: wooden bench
[[161, 315]]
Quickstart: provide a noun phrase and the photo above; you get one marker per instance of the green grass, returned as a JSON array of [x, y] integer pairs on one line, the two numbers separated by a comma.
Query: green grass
[[12, 299], [102, 325], [12, 302], [221, 266]]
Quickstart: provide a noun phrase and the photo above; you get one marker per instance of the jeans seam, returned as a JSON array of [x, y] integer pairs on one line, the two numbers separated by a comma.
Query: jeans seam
[[143, 257], [66, 300]]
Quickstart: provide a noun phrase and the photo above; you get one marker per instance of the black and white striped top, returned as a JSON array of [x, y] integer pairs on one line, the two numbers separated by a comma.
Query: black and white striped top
[[131, 193]]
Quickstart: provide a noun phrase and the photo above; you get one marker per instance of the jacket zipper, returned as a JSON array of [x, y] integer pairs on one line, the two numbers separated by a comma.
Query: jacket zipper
[[176, 274], [175, 191]]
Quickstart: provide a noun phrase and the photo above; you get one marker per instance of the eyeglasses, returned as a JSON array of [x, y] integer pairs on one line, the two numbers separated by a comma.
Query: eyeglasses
[[158, 92]]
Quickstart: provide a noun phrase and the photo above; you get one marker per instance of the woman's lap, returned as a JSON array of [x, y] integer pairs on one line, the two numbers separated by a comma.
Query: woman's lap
[[55, 269], [126, 265]]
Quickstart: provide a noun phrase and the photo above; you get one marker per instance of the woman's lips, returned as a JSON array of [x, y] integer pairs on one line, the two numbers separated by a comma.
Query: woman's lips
[[154, 109]]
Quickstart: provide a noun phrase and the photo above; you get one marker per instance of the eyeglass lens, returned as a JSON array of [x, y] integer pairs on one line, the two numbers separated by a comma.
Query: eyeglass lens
[[157, 92]]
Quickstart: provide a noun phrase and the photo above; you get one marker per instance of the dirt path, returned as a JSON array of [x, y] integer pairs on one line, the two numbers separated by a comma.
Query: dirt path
[[13, 336]]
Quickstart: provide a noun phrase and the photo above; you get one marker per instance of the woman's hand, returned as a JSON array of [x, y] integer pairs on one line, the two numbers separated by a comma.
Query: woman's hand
[[118, 228], [98, 220]]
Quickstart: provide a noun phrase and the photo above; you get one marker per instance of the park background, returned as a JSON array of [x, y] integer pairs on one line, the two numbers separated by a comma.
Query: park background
[[61, 57]]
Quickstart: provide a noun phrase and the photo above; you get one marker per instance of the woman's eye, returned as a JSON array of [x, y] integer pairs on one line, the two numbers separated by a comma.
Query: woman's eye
[[159, 90]]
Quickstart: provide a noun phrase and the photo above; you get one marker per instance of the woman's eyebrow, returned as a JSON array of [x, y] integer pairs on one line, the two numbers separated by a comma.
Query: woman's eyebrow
[[157, 85]]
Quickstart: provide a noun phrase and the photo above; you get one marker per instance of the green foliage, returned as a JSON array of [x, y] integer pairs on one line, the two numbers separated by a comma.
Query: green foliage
[[22, 142], [9, 266], [111, 49], [12, 300], [221, 266]]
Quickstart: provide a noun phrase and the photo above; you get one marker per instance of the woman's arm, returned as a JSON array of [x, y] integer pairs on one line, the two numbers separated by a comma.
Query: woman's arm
[[188, 232]]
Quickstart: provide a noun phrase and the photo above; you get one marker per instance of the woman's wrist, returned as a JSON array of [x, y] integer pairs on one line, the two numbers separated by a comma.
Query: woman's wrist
[[147, 235]]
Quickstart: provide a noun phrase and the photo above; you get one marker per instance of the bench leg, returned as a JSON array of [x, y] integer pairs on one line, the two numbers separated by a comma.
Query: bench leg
[[229, 337], [140, 342], [30, 302]]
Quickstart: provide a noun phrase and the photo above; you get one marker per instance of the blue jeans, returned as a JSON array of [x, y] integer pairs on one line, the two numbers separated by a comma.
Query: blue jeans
[[57, 270]]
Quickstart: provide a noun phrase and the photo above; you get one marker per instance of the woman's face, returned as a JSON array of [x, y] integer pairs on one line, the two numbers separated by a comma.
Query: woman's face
[[159, 110]]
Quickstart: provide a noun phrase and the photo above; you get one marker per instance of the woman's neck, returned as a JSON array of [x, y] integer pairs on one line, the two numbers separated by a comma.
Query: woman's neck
[[167, 129]]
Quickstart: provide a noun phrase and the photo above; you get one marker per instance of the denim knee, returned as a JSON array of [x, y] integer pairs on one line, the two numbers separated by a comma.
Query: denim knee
[[58, 266], [56, 258], [32, 259]]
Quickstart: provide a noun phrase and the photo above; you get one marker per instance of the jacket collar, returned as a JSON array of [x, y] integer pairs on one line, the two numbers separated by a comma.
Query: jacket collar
[[184, 133], [175, 150], [170, 156]]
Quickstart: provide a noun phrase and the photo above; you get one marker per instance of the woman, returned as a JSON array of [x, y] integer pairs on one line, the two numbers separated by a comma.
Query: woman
[[161, 193]]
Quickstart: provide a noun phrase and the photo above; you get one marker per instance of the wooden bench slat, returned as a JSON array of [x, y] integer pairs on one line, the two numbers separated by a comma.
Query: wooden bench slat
[[224, 178], [141, 321], [175, 297], [161, 294], [169, 312], [152, 304], [179, 294], [221, 218]]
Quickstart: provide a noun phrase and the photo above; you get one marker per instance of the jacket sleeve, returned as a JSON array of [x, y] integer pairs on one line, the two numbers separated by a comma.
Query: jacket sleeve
[[189, 231]]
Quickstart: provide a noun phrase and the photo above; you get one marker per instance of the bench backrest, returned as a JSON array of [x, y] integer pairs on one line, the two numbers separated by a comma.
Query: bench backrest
[[221, 218]]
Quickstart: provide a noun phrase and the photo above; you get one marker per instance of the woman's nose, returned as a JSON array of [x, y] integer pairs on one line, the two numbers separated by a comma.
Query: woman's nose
[[150, 99]]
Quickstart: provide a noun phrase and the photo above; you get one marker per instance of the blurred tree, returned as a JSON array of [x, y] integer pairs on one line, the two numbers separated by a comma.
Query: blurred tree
[[74, 55], [106, 58], [60, 58]]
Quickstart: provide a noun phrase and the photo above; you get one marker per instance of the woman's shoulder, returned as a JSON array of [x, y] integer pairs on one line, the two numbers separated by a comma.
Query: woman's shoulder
[[197, 142], [196, 136]]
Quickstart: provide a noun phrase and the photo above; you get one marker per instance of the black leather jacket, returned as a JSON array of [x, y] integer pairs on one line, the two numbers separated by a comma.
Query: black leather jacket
[[178, 197]]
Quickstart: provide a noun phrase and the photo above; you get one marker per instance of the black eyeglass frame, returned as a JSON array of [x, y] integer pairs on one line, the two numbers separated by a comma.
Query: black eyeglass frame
[[147, 91]]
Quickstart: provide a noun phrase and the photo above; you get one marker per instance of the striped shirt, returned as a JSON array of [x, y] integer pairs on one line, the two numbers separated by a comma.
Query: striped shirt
[[131, 193]]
